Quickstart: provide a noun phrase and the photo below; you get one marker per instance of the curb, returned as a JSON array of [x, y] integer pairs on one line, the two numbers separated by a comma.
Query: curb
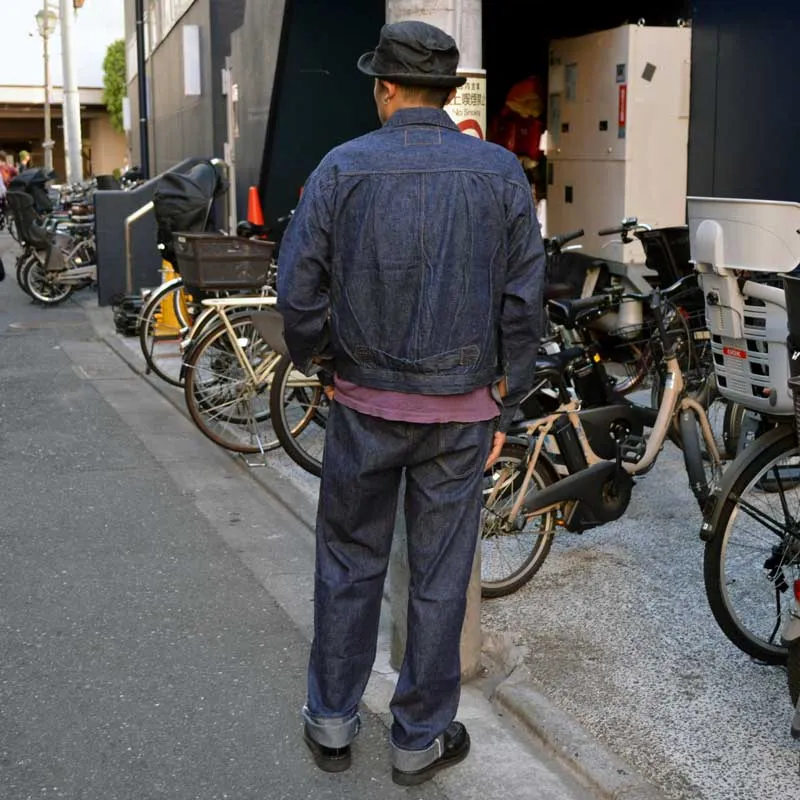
[[515, 697], [600, 770]]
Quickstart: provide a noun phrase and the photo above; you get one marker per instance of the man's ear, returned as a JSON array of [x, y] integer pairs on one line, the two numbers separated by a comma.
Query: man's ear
[[389, 89], [452, 97]]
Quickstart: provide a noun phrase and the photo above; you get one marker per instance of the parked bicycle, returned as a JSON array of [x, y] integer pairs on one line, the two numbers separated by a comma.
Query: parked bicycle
[[52, 264], [751, 526], [574, 469]]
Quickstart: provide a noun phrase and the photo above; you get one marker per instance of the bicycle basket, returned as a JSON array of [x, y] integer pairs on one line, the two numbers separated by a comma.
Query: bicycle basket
[[213, 261], [666, 251]]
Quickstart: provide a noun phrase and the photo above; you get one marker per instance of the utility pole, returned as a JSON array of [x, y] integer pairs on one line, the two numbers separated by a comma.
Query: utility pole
[[141, 79], [462, 19], [73, 139]]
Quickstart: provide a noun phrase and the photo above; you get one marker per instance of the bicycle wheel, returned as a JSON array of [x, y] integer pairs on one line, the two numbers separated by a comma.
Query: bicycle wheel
[[23, 265], [161, 331], [511, 557], [43, 286], [752, 556], [12, 229], [299, 410], [220, 395]]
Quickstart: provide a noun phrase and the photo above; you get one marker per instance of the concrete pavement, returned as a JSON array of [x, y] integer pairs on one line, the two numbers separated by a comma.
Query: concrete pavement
[[157, 604]]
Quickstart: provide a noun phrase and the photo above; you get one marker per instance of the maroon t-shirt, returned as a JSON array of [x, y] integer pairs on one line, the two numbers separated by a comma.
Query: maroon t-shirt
[[475, 406]]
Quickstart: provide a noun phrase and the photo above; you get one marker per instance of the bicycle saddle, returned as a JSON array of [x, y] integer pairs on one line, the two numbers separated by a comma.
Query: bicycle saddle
[[570, 313], [556, 291]]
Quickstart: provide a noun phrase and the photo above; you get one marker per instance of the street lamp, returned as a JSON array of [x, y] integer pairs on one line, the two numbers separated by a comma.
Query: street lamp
[[46, 21]]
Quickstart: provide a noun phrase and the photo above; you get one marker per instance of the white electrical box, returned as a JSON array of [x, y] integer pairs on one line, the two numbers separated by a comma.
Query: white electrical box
[[618, 130]]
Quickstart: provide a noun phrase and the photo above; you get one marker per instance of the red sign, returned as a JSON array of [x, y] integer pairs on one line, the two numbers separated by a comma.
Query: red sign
[[471, 127], [734, 352], [623, 109]]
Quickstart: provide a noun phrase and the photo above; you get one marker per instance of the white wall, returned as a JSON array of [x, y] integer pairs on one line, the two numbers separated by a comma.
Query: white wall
[[96, 26]]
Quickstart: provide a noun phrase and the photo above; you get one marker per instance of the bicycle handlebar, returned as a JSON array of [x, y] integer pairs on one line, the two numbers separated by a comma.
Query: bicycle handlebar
[[559, 241], [644, 297], [628, 225]]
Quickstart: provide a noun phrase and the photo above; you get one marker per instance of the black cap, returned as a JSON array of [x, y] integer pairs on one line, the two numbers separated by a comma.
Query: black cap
[[414, 54]]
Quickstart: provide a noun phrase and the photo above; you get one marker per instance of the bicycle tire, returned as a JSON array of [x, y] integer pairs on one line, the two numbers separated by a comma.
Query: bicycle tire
[[289, 433], [147, 322], [245, 418], [38, 286], [513, 454], [749, 468], [23, 264], [793, 670]]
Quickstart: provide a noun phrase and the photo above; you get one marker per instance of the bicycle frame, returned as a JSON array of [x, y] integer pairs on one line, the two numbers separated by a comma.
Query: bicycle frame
[[673, 403]]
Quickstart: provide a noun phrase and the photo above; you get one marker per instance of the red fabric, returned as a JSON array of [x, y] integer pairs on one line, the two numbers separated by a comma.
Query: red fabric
[[8, 173]]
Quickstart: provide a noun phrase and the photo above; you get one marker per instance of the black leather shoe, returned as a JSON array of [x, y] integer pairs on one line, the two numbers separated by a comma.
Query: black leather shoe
[[328, 759], [456, 749]]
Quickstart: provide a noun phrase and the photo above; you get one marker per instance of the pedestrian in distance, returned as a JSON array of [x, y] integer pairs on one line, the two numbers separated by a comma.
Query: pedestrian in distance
[[411, 281], [25, 160], [7, 171]]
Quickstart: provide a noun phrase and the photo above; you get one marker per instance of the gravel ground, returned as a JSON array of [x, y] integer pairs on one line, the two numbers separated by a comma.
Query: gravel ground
[[617, 631]]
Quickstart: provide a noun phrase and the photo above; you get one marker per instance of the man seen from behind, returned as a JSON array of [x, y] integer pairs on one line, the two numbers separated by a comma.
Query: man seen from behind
[[411, 275]]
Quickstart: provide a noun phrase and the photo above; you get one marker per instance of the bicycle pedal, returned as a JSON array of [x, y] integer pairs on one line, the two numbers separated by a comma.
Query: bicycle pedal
[[632, 449]]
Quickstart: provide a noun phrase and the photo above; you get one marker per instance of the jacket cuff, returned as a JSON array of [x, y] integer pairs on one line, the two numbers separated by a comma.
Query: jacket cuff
[[506, 417]]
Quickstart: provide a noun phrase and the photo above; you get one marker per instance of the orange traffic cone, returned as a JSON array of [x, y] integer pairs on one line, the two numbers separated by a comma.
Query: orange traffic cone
[[254, 213]]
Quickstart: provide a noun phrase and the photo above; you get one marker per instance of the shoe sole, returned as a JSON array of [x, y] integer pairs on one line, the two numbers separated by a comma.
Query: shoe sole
[[416, 778], [325, 763]]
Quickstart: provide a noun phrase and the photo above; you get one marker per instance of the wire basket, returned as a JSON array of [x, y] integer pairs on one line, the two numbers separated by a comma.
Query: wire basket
[[213, 261], [681, 320]]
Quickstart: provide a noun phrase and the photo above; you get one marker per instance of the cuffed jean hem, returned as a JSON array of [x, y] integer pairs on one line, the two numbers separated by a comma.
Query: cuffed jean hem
[[332, 731], [416, 760]]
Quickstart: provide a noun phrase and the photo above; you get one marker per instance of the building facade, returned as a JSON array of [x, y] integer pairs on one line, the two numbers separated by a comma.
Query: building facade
[[298, 93], [186, 44]]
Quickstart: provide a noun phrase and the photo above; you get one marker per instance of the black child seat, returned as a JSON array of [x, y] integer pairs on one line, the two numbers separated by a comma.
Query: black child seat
[[33, 182], [31, 232], [182, 203]]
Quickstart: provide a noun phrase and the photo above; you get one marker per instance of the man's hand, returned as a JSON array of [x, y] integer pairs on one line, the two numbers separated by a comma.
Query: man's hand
[[497, 445]]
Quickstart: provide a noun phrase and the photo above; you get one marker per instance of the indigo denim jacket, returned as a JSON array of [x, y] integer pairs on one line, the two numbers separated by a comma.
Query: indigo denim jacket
[[414, 263]]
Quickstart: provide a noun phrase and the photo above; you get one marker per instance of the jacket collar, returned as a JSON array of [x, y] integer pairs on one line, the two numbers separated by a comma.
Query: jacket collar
[[420, 116]]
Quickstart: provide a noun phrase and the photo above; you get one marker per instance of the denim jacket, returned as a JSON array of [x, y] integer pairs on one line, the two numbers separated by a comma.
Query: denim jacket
[[414, 263]]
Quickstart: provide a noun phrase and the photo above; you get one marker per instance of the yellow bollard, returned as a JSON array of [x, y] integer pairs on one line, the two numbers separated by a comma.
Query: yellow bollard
[[167, 324]]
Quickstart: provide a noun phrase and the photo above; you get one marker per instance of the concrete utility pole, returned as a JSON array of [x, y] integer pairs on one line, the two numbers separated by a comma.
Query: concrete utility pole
[[463, 20], [73, 139]]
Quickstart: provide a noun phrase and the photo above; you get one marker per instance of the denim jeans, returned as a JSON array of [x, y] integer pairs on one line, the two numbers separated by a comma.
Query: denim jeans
[[365, 458]]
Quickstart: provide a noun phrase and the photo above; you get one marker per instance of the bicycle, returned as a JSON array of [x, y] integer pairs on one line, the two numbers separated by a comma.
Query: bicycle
[[229, 367], [565, 475], [751, 526]]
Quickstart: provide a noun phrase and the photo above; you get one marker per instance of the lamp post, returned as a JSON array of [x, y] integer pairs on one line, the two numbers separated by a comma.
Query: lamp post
[[46, 21]]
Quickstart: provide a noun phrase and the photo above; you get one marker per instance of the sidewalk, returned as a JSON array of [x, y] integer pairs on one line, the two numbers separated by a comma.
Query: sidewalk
[[157, 606]]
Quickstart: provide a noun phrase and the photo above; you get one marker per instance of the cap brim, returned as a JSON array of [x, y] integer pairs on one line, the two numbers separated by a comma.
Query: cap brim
[[410, 79]]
